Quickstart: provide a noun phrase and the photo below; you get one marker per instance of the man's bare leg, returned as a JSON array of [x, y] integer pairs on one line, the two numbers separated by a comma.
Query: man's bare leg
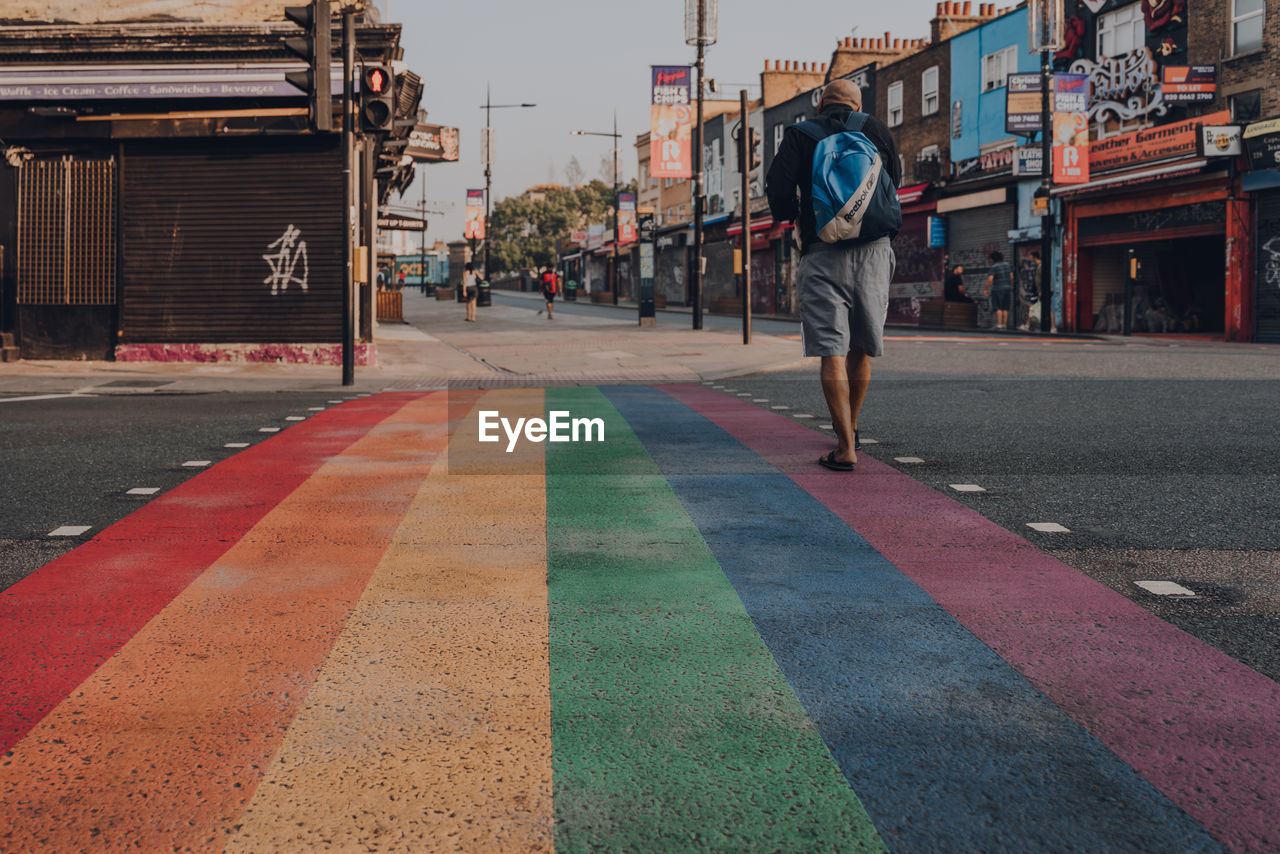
[[836, 389], [858, 368]]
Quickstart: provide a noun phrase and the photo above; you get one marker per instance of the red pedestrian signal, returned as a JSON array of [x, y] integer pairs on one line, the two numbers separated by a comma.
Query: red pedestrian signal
[[377, 98]]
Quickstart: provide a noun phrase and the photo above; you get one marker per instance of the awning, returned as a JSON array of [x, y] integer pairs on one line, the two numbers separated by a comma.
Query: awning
[[1140, 176], [756, 225], [907, 195]]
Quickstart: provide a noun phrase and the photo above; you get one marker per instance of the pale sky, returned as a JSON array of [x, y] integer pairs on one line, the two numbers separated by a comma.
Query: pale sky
[[579, 61]]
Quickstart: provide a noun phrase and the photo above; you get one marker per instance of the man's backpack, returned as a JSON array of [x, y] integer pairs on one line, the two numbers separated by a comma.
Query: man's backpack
[[853, 194], [549, 282]]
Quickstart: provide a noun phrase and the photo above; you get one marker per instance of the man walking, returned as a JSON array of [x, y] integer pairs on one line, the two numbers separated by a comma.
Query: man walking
[[843, 286]]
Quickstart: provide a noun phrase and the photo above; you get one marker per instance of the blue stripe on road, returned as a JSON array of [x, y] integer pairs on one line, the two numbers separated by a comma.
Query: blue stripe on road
[[949, 747]]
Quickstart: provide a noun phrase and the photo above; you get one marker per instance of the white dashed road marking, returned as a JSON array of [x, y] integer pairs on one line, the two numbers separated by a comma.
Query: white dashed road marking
[[1048, 528], [296, 418], [905, 459], [1164, 588], [236, 445], [335, 401], [869, 441], [315, 409], [197, 464], [144, 490], [268, 429], [779, 408], [69, 530], [801, 415], [967, 487]]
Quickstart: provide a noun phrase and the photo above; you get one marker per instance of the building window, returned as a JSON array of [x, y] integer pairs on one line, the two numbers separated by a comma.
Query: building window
[[895, 104], [1247, 18], [929, 91], [997, 66], [1122, 31], [929, 152], [1246, 107]]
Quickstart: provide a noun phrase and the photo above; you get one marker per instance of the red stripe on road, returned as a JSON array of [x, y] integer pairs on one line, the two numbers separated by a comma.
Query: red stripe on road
[[1199, 725], [62, 622]]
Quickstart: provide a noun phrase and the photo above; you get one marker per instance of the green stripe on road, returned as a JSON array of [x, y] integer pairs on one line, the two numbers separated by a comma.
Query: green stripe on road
[[672, 726]]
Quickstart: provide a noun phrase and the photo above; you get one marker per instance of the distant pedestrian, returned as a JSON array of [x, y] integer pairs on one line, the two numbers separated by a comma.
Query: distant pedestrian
[[843, 284], [1000, 288], [953, 286], [470, 290], [549, 284]]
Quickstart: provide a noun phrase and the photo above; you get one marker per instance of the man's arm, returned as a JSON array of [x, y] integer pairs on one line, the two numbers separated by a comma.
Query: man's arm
[[783, 180]]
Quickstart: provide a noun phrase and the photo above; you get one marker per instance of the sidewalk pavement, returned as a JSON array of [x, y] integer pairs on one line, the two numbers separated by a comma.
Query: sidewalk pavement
[[507, 346]]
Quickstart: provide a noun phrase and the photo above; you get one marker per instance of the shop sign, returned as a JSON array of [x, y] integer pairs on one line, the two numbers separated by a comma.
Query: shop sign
[[1263, 141], [432, 143], [595, 236], [987, 165], [1189, 84], [1179, 139], [1028, 161], [1040, 206], [671, 122], [1022, 103], [1220, 141], [1124, 87], [1071, 93], [579, 237], [937, 226]]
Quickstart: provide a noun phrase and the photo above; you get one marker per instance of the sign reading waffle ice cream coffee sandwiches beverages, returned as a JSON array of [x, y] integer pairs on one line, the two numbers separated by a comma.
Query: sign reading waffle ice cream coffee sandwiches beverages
[[671, 123]]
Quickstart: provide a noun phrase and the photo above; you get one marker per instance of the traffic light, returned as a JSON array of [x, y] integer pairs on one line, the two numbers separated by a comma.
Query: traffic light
[[314, 48], [753, 145], [377, 98]]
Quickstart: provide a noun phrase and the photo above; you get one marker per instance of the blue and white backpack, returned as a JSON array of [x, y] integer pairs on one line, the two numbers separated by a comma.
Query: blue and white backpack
[[853, 195]]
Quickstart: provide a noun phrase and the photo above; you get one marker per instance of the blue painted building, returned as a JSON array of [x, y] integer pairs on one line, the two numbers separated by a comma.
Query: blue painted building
[[987, 205]]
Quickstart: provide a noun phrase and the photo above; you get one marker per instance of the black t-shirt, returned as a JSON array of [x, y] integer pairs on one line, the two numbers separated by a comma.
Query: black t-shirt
[[792, 169]]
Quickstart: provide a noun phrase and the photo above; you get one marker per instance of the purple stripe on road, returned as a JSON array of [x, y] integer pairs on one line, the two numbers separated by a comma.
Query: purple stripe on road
[[1199, 725]]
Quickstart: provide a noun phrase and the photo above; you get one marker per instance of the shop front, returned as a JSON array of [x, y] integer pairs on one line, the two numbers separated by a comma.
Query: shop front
[[918, 250], [768, 292], [978, 224], [1263, 182], [1163, 248]]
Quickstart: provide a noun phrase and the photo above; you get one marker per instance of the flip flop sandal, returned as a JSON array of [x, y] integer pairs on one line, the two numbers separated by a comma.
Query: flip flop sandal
[[857, 443], [830, 461]]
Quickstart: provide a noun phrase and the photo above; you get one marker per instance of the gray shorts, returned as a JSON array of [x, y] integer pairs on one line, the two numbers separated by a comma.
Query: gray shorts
[[844, 297]]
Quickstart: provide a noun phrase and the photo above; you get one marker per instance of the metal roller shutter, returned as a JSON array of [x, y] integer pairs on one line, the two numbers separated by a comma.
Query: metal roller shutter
[[1267, 288], [972, 236], [232, 242]]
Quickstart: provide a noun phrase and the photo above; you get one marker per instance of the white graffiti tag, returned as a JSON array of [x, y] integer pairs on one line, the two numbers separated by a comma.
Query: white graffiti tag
[[289, 250], [1271, 267]]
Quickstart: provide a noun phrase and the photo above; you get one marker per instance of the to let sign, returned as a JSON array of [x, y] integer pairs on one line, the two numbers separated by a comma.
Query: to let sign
[[1189, 84]]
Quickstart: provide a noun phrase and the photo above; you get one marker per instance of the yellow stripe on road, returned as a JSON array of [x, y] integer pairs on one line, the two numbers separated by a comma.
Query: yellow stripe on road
[[429, 728]]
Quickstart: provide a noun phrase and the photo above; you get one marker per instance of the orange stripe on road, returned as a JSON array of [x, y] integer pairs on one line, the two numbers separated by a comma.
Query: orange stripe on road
[[162, 747], [429, 729]]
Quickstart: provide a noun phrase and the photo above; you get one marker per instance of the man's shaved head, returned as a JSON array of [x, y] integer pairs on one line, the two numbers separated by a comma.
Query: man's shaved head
[[844, 92]]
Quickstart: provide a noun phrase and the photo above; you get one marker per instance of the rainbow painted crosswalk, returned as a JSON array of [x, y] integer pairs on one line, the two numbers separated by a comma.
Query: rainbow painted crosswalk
[[369, 633]]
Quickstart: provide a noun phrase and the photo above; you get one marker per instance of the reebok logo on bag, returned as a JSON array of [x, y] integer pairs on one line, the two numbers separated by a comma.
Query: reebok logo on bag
[[853, 195]]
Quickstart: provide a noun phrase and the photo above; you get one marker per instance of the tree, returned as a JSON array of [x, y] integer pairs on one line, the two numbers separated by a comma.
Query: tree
[[525, 233]]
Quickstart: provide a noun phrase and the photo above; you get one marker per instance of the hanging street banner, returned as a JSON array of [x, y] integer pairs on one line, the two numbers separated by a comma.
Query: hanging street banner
[[1189, 84], [671, 122], [1071, 148], [626, 218], [1071, 93], [474, 227], [432, 143]]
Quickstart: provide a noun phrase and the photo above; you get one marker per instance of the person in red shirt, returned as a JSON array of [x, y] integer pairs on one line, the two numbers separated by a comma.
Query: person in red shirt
[[550, 286]]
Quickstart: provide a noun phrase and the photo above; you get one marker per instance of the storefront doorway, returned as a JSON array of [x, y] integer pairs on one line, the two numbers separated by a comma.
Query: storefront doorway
[[1178, 289]]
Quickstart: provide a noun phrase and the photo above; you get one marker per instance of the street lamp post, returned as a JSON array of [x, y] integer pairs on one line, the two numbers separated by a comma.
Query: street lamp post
[[614, 279], [699, 30], [1045, 36], [488, 107]]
